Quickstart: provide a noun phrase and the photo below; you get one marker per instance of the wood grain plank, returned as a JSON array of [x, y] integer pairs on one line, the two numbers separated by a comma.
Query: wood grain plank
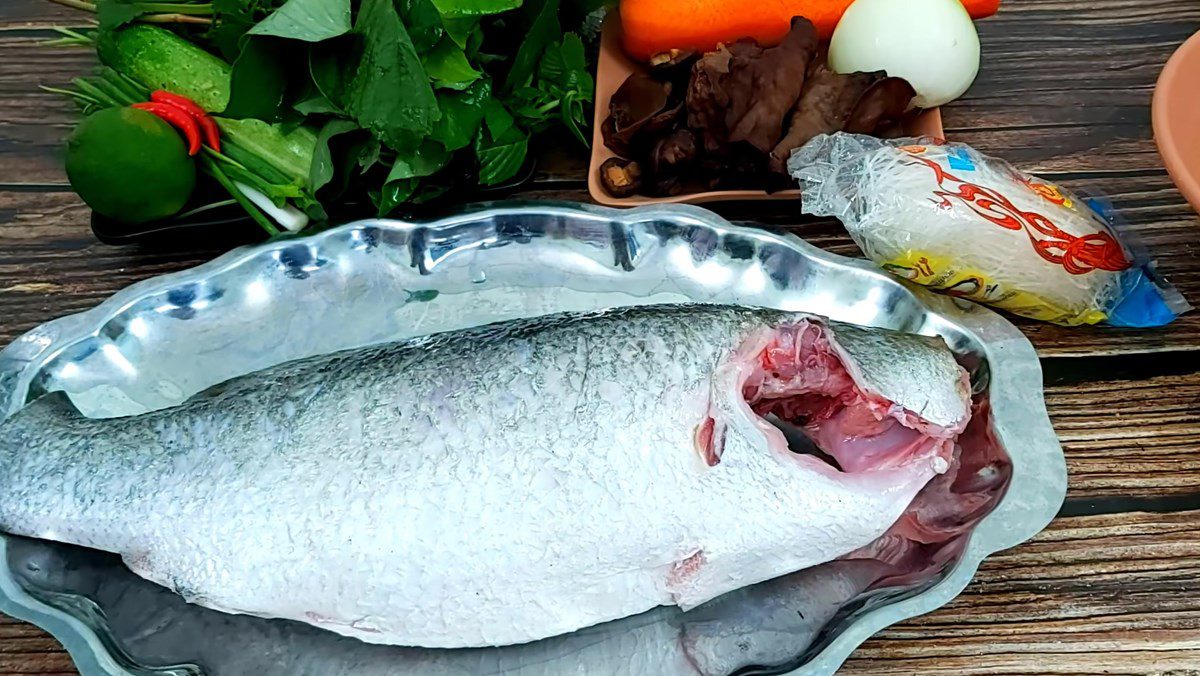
[[1124, 438], [31, 14], [1091, 595], [34, 123]]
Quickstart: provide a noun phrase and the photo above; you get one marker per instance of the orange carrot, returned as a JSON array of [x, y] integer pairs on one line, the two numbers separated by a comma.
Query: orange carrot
[[655, 26]]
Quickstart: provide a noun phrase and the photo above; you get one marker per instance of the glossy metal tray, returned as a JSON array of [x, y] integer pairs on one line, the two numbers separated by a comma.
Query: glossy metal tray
[[158, 342]]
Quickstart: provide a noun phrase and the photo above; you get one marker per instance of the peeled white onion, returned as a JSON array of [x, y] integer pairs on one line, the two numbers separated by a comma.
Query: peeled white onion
[[930, 43]]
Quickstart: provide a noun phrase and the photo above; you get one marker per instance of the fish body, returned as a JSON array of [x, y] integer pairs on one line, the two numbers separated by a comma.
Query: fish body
[[507, 484], [766, 624]]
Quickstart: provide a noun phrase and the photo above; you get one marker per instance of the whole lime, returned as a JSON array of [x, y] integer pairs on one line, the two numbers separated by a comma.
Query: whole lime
[[129, 165]]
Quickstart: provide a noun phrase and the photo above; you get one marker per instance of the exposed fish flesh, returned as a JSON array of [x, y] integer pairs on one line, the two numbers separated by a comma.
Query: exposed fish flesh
[[507, 484]]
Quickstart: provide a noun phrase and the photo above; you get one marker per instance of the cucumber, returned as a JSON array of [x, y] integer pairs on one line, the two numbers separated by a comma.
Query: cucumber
[[160, 59]]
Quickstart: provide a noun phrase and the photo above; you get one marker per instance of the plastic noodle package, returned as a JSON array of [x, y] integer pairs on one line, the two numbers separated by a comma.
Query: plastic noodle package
[[945, 216]]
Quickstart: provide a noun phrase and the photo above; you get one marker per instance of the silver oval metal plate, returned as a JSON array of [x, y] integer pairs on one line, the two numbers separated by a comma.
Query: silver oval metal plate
[[158, 342]]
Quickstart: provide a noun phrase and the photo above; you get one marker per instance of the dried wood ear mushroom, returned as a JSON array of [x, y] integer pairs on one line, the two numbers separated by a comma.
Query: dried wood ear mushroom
[[718, 120]]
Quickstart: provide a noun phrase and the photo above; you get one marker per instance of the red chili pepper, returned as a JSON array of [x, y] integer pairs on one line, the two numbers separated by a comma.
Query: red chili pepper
[[177, 118], [212, 135]]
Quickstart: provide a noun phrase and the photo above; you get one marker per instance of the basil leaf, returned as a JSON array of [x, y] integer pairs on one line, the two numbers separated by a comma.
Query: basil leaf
[[388, 91], [447, 65], [307, 20]]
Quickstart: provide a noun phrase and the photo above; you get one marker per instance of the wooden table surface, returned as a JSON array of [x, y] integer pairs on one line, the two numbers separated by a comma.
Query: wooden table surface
[[1111, 587]]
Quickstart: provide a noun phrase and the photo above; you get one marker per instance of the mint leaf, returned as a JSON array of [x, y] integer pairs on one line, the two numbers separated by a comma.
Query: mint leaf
[[457, 9], [572, 52], [388, 91], [447, 65], [307, 20]]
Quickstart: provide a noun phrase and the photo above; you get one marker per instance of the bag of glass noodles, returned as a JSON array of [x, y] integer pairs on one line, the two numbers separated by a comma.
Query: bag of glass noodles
[[945, 216]]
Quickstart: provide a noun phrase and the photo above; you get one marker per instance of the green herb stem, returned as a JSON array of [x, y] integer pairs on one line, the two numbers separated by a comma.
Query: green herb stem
[[214, 170], [175, 18], [77, 96], [77, 4], [70, 38], [176, 8]]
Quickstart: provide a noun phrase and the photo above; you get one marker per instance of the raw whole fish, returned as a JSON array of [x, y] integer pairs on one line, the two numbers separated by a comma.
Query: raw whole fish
[[506, 484], [766, 624]]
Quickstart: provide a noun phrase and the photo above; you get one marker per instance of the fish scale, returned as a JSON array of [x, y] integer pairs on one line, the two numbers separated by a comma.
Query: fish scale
[[481, 488]]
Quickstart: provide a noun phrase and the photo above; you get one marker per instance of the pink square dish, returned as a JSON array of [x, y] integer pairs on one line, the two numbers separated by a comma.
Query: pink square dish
[[613, 67]]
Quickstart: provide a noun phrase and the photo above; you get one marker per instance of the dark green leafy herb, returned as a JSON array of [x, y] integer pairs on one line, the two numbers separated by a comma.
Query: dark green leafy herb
[[462, 113], [393, 194], [457, 9], [232, 19], [326, 62], [389, 92], [259, 81], [116, 13], [425, 25], [322, 167], [447, 65], [419, 162], [502, 158], [461, 30], [397, 100], [497, 117], [307, 20], [542, 32]]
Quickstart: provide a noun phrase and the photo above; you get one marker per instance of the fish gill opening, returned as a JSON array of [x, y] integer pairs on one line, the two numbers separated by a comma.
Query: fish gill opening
[[799, 384]]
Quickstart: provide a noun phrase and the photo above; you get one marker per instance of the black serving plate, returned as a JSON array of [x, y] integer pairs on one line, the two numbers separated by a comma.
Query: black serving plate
[[229, 224]]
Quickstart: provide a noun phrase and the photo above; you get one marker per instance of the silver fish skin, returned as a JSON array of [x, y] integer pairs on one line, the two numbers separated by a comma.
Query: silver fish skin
[[766, 624], [484, 488]]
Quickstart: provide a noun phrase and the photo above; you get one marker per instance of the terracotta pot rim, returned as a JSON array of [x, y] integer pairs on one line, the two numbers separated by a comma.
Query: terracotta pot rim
[[1184, 168]]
